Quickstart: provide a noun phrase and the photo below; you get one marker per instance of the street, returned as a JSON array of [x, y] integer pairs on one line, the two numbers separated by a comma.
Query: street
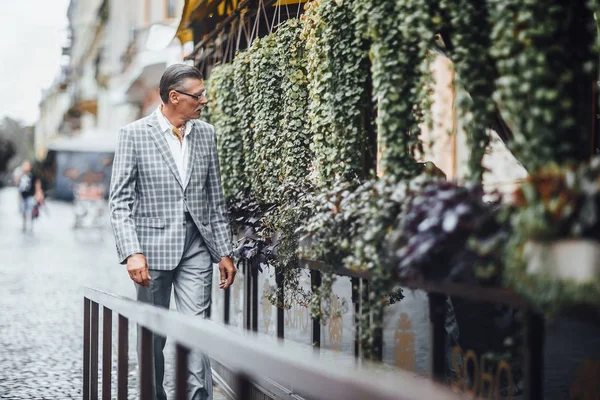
[[41, 307]]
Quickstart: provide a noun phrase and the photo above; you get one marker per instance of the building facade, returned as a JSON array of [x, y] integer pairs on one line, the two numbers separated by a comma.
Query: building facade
[[117, 52]]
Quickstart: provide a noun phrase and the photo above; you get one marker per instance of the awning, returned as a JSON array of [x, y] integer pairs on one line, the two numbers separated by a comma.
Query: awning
[[184, 34]]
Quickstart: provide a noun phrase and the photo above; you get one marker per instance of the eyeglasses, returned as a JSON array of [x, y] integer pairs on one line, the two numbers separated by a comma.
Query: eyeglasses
[[195, 96]]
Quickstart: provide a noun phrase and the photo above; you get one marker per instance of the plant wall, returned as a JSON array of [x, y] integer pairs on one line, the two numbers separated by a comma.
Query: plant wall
[[294, 115]]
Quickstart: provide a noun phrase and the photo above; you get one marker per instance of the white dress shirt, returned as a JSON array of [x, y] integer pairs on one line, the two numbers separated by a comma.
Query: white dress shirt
[[180, 151]]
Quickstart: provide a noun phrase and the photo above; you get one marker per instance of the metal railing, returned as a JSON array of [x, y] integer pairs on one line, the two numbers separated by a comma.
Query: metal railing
[[249, 357], [437, 294]]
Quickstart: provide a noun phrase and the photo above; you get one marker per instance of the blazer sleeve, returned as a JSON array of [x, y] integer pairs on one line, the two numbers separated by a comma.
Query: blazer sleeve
[[122, 197], [219, 218]]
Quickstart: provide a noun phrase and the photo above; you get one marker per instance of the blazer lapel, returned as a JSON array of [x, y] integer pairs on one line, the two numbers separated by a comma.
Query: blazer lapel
[[193, 144], [163, 147]]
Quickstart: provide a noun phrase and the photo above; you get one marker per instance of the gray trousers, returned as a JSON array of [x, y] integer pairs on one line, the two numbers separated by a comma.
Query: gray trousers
[[191, 280]]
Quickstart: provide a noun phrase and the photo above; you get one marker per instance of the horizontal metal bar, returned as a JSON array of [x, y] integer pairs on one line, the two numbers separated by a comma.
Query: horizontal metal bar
[[283, 361], [466, 291]]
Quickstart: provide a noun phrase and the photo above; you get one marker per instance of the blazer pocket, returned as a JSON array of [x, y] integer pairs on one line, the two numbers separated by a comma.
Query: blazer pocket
[[150, 222]]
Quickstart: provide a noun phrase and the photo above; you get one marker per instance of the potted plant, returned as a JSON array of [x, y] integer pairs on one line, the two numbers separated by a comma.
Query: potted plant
[[557, 217]]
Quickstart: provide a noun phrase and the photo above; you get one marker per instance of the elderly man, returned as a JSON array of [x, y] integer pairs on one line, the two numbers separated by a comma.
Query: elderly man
[[168, 211]]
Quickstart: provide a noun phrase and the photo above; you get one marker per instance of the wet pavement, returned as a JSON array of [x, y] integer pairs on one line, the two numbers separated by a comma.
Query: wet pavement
[[43, 274]]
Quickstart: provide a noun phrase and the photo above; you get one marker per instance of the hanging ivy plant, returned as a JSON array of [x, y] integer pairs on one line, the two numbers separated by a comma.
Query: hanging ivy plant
[[211, 94], [401, 33], [336, 82], [470, 32], [295, 158], [264, 86], [243, 116], [295, 139], [223, 102], [540, 70]]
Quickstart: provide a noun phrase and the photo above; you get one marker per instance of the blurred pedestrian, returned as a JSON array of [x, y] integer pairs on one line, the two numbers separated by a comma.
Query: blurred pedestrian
[[168, 212], [30, 189]]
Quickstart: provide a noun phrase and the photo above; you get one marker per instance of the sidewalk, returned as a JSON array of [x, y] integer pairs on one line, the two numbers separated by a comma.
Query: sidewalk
[[41, 325]]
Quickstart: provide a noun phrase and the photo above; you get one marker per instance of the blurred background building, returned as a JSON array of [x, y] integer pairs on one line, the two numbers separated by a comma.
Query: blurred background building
[[117, 51]]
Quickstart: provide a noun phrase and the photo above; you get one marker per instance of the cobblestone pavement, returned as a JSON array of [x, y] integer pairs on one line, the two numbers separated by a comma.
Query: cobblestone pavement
[[42, 276]]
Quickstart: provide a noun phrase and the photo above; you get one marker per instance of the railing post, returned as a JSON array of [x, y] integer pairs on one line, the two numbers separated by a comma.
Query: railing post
[[106, 353], [534, 356], [226, 305], [254, 297], [280, 299], [86, 348], [315, 282], [122, 358], [375, 322], [243, 387], [94, 353], [146, 361], [364, 315], [356, 303], [247, 297], [181, 372], [437, 317]]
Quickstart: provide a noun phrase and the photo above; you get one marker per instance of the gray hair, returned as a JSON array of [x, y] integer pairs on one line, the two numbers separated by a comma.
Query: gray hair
[[173, 76]]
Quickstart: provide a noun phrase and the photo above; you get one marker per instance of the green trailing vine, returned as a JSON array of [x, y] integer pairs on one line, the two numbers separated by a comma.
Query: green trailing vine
[[244, 115], [401, 34], [295, 139], [470, 31], [266, 201], [337, 76], [540, 67], [223, 117], [295, 157], [264, 85]]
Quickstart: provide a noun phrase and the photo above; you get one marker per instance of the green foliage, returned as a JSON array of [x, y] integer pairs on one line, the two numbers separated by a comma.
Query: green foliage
[[224, 119], [264, 95], [294, 140], [264, 86], [337, 74], [540, 63], [294, 110], [349, 227], [244, 115], [470, 29], [401, 33]]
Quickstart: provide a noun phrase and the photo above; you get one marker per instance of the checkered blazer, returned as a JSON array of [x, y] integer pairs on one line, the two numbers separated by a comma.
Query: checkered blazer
[[147, 195]]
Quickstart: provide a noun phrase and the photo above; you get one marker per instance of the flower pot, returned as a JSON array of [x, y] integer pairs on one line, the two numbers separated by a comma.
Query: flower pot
[[576, 260]]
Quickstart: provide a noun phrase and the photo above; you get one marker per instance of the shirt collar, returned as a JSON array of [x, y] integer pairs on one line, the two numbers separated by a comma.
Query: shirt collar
[[165, 125]]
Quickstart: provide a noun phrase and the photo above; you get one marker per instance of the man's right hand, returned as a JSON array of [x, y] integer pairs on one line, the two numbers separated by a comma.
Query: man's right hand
[[137, 267]]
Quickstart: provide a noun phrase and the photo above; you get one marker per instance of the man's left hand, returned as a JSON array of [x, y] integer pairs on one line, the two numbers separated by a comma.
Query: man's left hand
[[228, 271]]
